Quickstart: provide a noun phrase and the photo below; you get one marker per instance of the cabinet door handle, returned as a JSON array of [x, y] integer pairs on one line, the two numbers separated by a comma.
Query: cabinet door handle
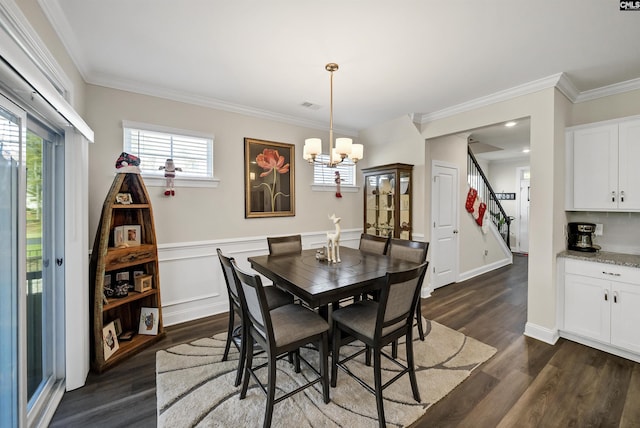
[[606, 295], [613, 196], [615, 297], [611, 273], [622, 196]]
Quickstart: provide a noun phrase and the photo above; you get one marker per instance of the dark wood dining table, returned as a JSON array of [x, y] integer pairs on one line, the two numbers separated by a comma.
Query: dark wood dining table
[[320, 283]]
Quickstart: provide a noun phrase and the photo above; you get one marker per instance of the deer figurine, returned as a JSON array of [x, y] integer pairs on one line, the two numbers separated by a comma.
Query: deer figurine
[[333, 241]]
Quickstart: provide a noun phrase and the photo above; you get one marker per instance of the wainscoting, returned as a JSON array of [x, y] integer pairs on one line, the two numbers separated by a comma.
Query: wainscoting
[[191, 279]]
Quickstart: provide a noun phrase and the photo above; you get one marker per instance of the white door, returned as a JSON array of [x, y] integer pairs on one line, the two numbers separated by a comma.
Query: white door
[[523, 212], [625, 316], [444, 212]]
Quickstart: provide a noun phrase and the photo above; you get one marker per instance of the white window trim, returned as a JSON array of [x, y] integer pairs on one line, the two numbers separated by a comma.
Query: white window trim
[[333, 187], [157, 180]]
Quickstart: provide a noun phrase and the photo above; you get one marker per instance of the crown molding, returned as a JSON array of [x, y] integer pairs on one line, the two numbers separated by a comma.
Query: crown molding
[[605, 91], [155, 91], [507, 94]]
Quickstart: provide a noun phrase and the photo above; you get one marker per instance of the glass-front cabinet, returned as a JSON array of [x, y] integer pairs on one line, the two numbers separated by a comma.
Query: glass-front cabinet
[[387, 200]]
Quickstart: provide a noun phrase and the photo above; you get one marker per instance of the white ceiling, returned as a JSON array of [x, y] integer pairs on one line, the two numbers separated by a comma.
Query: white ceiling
[[396, 58], [499, 142]]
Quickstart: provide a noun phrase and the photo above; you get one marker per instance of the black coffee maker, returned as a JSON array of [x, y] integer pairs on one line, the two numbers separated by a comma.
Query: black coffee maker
[[580, 237]]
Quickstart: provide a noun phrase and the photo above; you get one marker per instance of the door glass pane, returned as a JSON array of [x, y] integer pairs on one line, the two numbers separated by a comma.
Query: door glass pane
[[39, 155], [9, 375]]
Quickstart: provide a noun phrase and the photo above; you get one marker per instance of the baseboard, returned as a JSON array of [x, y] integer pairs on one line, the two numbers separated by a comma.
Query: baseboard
[[484, 269], [540, 333]]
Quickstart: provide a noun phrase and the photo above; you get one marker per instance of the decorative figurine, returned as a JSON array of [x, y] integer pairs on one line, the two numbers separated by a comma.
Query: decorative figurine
[[338, 180], [333, 241], [170, 174]]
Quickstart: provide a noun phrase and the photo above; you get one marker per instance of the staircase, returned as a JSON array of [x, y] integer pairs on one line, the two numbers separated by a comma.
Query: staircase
[[478, 181]]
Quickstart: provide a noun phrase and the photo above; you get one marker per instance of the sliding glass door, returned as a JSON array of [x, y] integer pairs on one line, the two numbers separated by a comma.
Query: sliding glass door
[[31, 270], [12, 122]]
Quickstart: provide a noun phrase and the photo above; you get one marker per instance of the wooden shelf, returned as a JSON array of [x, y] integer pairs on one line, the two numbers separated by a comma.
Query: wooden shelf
[[108, 262]]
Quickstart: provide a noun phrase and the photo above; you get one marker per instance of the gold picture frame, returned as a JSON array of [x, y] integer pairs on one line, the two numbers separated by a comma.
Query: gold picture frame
[[269, 179]]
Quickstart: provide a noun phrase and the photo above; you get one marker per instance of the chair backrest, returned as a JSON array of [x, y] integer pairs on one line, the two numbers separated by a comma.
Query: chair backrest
[[280, 245], [398, 299], [229, 278], [374, 244], [411, 251], [254, 302]]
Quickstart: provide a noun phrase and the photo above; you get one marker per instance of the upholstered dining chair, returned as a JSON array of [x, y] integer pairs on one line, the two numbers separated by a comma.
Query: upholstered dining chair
[[413, 251], [279, 332], [275, 298], [376, 324], [373, 244], [281, 245]]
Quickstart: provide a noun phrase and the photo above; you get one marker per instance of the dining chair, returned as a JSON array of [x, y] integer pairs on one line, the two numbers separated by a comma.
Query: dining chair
[[275, 298], [412, 251], [281, 245], [279, 332], [374, 244], [376, 324]]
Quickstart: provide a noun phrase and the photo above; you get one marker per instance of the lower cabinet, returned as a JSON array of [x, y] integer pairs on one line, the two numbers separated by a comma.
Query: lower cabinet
[[602, 304]]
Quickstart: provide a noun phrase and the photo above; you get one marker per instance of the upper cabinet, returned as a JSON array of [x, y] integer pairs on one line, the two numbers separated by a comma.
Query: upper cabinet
[[603, 162], [387, 200]]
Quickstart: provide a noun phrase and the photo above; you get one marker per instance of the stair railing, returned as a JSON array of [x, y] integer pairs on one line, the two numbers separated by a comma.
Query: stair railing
[[479, 181]]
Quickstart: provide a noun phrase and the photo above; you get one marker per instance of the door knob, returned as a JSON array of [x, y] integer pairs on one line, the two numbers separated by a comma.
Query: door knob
[[455, 230]]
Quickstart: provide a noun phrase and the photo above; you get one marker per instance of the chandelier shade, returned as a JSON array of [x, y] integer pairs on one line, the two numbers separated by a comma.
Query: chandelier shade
[[341, 148]]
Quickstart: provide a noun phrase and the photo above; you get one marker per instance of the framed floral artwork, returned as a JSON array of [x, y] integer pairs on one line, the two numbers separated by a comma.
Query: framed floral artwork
[[268, 179]]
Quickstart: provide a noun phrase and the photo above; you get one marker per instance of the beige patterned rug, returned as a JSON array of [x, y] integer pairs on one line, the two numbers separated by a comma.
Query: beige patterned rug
[[195, 388]]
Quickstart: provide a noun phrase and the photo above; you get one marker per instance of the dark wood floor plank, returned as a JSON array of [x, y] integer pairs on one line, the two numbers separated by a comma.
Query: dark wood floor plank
[[527, 383]]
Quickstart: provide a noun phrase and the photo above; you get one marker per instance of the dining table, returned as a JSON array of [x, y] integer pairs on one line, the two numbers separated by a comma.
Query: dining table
[[319, 283]]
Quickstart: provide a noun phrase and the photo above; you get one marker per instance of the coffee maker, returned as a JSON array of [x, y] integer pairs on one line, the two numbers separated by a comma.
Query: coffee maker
[[580, 237]]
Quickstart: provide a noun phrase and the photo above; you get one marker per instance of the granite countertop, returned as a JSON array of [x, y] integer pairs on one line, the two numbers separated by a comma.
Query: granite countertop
[[620, 259]]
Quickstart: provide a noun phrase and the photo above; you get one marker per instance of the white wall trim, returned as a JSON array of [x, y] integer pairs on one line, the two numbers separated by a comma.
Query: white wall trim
[[543, 334], [605, 91], [484, 269], [191, 278]]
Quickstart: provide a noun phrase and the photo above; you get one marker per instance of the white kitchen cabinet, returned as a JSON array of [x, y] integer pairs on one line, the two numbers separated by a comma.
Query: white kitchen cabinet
[[602, 306], [603, 166]]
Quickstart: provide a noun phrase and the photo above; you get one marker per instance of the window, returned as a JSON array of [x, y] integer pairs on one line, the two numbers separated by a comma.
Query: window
[[154, 144], [323, 175]]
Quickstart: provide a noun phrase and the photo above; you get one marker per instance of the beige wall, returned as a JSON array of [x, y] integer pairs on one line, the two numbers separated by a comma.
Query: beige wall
[[399, 140], [201, 214], [605, 108], [539, 107]]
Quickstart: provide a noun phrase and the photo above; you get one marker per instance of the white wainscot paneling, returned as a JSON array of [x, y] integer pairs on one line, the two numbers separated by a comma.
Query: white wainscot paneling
[[191, 278]]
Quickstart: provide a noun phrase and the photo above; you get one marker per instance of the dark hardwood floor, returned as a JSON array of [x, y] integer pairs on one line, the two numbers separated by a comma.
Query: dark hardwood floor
[[526, 384]]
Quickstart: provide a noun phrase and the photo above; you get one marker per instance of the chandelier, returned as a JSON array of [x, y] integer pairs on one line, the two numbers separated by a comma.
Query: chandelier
[[342, 148]]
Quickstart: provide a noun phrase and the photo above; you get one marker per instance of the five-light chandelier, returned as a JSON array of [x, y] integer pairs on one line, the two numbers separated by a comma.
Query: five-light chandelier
[[343, 147]]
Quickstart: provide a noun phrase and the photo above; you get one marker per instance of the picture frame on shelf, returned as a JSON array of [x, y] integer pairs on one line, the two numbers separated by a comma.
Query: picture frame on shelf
[[269, 179], [109, 340], [149, 318], [143, 283], [126, 236], [124, 199]]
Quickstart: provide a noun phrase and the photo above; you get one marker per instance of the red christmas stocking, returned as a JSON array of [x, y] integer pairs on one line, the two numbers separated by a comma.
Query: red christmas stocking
[[471, 198], [481, 210]]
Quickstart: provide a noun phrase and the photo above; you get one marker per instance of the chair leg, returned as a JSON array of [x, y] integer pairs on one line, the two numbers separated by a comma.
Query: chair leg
[[394, 349], [412, 369], [227, 345], [419, 319], [247, 368], [242, 358], [271, 391], [324, 370], [296, 361], [367, 356], [377, 374]]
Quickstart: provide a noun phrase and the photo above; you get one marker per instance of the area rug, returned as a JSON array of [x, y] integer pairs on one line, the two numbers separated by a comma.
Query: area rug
[[195, 388]]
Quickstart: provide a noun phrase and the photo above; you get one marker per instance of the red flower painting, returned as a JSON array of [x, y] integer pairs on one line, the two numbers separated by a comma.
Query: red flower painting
[[272, 163]]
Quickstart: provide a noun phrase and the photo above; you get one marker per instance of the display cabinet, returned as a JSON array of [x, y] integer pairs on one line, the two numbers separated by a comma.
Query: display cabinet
[[125, 285], [387, 200]]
